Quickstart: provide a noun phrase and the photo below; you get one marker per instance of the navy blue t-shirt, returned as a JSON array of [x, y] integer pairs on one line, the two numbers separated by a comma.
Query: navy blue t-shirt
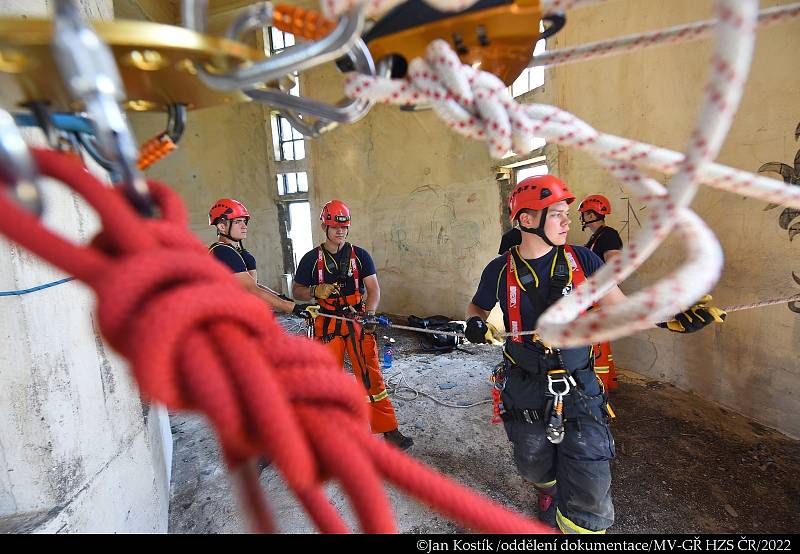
[[238, 260], [492, 288], [306, 273]]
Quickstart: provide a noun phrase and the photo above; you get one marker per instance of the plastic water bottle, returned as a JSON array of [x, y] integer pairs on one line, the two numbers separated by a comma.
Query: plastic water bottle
[[387, 352]]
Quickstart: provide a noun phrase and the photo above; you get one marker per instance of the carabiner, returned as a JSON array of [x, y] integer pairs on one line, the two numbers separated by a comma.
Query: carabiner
[[565, 381], [17, 168], [90, 73]]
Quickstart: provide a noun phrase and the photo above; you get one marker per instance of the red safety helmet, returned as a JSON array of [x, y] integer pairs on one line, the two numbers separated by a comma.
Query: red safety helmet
[[537, 193], [596, 203], [335, 214], [227, 208]]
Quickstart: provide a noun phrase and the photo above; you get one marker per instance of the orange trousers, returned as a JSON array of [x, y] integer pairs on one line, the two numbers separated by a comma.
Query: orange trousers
[[604, 365], [363, 354]]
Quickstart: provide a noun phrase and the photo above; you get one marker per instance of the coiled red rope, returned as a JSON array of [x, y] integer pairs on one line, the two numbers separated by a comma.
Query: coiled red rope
[[197, 341]]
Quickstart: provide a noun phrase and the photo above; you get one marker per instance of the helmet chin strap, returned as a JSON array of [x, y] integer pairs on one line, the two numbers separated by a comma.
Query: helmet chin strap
[[585, 223], [539, 231], [228, 235]]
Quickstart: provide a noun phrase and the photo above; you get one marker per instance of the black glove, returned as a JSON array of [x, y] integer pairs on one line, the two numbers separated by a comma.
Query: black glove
[[695, 318], [476, 330], [300, 310], [369, 322]]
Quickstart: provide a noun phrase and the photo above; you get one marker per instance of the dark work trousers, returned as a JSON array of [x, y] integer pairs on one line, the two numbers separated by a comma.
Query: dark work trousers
[[578, 466]]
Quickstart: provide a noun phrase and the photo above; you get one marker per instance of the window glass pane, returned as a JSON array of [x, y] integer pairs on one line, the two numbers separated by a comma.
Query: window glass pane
[[286, 129], [288, 150], [295, 90], [530, 171], [291, 183], [300, 224], [276, 138], [520, 86], [299, 150], [296, 134], [281, 187], [537, 73], [540, 47], [277, 39], [302, 182], [532, 77], [536, 77], [288, 39]]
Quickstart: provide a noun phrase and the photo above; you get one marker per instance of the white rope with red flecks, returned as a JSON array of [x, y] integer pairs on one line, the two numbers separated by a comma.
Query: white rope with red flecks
[[672, 35], [477, 104]]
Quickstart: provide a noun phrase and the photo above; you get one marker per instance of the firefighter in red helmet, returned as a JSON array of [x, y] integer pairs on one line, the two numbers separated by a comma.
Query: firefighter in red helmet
[[342, 278], [553, 406], [230, 218], [606, 243]]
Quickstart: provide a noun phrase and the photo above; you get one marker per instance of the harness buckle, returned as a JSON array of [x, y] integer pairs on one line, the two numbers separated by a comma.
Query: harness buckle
[[566, 382]]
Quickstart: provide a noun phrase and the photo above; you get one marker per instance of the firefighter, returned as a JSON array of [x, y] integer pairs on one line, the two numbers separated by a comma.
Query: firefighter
[[342, 278]]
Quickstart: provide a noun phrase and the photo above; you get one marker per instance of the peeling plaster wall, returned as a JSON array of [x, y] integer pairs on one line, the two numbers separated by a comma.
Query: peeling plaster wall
[[79, 449]]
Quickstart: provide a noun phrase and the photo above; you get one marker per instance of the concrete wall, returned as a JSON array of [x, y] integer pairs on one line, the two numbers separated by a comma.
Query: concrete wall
[[224, 153], [749, 364], [79, 449]]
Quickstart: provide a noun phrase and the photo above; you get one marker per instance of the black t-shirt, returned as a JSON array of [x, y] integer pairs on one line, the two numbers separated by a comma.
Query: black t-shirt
[[306, 273], [238, 260], [512, 237], [603, 240], [492, 288]]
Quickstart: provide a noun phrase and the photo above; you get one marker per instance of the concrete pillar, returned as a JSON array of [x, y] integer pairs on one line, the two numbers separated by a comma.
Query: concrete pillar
[[80, 451]]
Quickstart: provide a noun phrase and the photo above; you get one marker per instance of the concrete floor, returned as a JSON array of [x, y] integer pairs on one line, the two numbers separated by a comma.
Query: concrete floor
[[683, 465]]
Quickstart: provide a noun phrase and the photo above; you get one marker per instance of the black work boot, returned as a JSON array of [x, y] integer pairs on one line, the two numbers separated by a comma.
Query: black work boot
[[262, 464], [399, 439]]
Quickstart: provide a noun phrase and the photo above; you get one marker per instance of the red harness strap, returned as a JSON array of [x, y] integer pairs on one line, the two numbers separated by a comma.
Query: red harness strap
[[578, 275], [513, 289]]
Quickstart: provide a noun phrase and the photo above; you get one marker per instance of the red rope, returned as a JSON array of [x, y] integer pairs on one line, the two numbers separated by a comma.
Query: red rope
[[197, 341]]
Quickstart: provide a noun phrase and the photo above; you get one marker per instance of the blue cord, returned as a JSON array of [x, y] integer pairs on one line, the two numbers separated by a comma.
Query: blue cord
[[34, 289], [65, 122]]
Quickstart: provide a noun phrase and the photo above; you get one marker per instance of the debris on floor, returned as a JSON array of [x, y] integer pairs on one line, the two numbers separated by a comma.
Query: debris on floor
[[683, 465]]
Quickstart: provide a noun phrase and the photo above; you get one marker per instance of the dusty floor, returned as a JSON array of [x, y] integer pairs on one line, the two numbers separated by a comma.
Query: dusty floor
[[683, 465]]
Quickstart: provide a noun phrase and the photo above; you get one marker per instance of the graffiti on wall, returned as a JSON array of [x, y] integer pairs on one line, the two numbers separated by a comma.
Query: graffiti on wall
[[630, 215], [789, 218], [429, 230]]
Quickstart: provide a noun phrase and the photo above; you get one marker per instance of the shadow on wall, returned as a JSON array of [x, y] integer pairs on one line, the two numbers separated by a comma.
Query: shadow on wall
[[789, 218]]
